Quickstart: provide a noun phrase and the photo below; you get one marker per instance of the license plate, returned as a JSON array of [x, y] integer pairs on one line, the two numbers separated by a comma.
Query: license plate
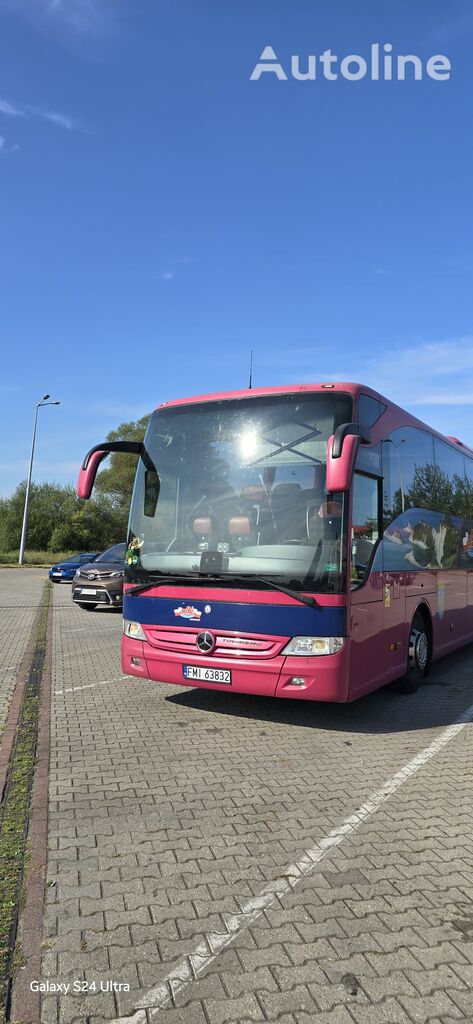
[[207, 675], [87, 590], [56, 574]]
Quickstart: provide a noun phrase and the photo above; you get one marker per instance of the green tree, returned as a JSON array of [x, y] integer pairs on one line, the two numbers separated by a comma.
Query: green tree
[[93, 525], [50, 504], [116, 481], [431, 488]]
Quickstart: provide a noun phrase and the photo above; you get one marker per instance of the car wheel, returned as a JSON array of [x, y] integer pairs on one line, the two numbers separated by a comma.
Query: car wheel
[[419, 656], [88, 607]]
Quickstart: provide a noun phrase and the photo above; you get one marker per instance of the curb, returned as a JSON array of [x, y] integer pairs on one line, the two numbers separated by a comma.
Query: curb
[[26, 1005], [9, 731]]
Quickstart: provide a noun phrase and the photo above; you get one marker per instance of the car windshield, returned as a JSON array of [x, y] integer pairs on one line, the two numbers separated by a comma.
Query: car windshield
[[241, 491], [115, 554], [79, 558]]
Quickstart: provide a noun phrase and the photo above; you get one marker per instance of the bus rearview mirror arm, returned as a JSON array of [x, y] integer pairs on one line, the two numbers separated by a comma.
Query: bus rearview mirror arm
[[95, 456], [342, 449]]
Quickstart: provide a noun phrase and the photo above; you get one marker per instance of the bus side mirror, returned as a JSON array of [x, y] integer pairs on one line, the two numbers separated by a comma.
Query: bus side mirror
[[152, 487], [91, 463], [88, 472], [341, 454]]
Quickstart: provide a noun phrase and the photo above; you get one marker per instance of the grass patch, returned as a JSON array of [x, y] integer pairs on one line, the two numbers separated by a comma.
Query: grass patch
[[15, 809], [34, 558]]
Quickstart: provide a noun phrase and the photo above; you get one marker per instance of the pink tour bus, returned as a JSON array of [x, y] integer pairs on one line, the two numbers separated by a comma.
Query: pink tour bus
[[310, 541]]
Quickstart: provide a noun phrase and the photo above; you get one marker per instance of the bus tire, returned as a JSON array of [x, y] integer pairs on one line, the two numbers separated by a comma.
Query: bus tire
[[88, 607], [419, 655]]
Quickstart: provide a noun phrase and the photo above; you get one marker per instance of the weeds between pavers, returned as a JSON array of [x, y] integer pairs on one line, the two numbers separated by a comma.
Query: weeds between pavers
[[15, 809]]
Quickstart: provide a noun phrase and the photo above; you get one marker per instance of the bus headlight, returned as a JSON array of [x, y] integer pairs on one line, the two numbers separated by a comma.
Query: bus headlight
[[133, 630], [308, 646]]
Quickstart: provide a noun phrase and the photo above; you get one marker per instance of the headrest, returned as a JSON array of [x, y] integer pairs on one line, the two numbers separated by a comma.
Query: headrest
[[202, 526], [330, 510], [239, 526], [253, 492], [286, 491]]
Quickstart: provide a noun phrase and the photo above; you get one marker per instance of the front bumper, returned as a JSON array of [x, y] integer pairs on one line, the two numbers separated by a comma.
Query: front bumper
[[325, 677], [97, 593]]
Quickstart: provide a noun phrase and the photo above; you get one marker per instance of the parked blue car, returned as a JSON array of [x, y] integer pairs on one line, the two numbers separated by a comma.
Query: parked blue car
[[64, 572]]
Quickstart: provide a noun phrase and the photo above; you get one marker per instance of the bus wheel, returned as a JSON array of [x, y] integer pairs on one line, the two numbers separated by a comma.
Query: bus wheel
[[418, 658]]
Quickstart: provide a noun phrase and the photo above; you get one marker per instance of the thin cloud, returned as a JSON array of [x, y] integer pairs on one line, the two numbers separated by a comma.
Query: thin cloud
[[428, 373], [60, 119], [25, 110], [10, 110], [81, 16], [168, 275], [5, 151]]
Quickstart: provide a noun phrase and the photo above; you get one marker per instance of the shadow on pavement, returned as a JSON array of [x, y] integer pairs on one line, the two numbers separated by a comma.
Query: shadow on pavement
[[440, 701]]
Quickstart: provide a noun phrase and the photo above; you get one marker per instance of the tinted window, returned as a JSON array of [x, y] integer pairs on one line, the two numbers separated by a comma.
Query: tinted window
[[365, 525], [420, 539], [115, 554], [369, 410], [450, 465], [368, 459], [409, 472], [468, 511]]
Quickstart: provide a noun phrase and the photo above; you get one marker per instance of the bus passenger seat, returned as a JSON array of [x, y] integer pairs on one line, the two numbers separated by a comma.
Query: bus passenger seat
[[202, 527], [363, 550], [240, 531], [254, 503], [289, 512]]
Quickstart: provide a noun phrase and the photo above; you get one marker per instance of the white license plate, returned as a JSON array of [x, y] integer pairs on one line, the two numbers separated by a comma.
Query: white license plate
[[87, 590], [56, 574], [207, 675]]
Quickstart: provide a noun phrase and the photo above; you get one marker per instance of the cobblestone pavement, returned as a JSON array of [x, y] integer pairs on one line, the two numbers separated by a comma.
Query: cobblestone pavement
[[20, 595], [170, 808]]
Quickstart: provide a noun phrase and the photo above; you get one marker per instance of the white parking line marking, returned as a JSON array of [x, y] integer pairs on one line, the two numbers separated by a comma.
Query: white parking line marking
[[73, 689], [88, 686], [189, 967]]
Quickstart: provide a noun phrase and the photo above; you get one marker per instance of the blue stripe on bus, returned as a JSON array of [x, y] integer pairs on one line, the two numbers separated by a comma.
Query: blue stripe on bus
[[275, 620]]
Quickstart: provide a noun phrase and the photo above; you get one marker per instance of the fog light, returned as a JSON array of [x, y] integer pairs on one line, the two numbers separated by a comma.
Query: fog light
[[297, 681], [135, 661]]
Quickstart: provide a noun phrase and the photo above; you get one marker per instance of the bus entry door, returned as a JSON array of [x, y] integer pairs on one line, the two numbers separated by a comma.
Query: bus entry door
[[394, 622]]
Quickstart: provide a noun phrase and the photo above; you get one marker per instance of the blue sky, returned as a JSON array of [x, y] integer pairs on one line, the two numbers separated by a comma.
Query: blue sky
[[161, 215]]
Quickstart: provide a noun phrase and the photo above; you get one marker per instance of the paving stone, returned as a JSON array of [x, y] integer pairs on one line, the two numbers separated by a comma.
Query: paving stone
[[169, 811]]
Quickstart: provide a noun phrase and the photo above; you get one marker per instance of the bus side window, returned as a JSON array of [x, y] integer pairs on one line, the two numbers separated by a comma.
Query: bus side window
[[365, 525]]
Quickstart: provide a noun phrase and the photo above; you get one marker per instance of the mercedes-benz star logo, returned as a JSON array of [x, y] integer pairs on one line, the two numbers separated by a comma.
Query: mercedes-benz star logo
[[206, 642]]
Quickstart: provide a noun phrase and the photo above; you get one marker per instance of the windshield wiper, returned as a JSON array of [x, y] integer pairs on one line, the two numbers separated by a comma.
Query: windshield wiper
[[156, 580], [296, 594], [153, 581]]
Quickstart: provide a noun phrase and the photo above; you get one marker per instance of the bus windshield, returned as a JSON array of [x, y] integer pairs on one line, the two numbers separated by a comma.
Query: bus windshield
[[240, 492]]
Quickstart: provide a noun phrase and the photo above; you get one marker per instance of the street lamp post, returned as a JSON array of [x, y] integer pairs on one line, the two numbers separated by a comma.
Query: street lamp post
[[44, 401]]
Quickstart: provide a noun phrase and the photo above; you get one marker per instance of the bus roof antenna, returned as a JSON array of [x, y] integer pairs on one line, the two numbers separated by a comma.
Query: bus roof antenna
[[250, 382]]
